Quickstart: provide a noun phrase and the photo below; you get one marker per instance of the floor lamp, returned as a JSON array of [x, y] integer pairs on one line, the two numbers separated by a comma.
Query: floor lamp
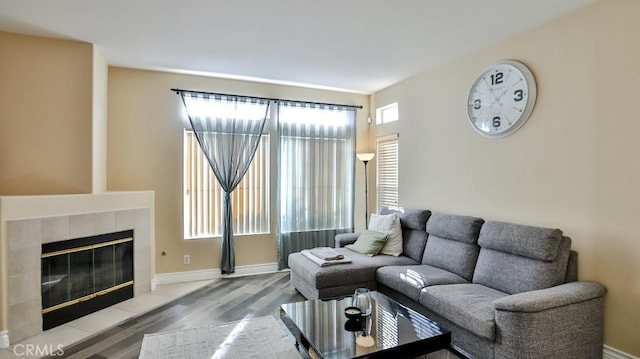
[[366, 157]]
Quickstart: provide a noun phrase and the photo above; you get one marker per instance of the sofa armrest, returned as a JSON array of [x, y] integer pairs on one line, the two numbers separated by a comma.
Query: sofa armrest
[[566, 321], [346, 238], [558, 296]]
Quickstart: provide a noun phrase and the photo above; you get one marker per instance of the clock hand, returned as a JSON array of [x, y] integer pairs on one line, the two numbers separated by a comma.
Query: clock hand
[[503, 93], [507, 89], [495, 99]]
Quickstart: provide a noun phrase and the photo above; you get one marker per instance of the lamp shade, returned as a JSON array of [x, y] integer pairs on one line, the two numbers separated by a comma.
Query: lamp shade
[[365, 157]]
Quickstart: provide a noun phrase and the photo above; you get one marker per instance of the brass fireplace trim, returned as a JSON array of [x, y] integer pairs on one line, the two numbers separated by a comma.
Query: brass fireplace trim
[[85, 248], [86, 297]]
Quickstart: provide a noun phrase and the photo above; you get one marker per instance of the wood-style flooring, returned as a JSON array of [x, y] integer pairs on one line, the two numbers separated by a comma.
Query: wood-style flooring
[[224, 300]]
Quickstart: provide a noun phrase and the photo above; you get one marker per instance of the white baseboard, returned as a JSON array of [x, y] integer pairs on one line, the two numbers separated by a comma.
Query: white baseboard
[[208, 274], [613, 353], [4, 339]]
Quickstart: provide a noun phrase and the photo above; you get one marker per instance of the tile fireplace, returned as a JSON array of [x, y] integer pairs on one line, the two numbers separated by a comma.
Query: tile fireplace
[[34, 281]]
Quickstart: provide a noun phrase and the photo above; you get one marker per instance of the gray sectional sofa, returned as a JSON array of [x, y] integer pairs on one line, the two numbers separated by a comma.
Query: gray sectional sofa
[[504, 290]]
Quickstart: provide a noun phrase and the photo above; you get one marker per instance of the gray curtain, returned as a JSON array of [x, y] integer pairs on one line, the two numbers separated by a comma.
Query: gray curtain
[[316, 152], [228, 129]]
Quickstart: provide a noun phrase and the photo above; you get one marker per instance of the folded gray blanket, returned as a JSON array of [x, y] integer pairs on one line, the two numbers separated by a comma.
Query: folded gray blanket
[[322, 262], [326, 253]]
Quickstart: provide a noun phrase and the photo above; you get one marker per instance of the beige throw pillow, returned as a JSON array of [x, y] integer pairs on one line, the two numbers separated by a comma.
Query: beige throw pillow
[[390, 224]]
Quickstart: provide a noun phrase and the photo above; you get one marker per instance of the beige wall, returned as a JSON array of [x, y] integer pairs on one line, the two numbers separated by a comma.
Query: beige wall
[[45, 115], [145, 127], [574, 165], [99, 123]]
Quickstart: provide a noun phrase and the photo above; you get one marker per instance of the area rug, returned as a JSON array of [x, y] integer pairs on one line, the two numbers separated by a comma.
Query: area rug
[[262, 337]]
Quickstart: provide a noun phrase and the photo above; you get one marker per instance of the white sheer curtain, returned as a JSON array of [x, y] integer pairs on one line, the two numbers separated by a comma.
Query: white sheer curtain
[[316, 175], [228, 129]]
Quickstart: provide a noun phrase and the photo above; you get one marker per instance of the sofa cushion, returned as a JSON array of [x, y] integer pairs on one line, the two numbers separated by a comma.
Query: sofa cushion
[[410, 218], [469, 306], [362, 269], [413, 242], [451, 244], [527, 241], [414, 235], [456, 228], [409, 280], [513, 274], [390, 224], [456, 257]]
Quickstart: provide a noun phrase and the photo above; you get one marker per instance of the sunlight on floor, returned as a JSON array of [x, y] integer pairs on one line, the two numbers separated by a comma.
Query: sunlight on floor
[[232, 336]]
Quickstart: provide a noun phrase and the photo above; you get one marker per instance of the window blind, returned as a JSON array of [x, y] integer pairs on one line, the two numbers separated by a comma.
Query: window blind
[[203, 196], [387, 170]]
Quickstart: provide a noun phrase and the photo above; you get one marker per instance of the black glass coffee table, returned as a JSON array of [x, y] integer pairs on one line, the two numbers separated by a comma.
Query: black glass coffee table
[[392, 330]]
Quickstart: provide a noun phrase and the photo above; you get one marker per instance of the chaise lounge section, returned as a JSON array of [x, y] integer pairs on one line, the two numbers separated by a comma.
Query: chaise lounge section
[[339, 280], [504, 290]]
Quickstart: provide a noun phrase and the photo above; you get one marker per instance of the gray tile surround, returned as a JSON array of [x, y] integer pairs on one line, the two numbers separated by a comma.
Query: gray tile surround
[[25, 239]]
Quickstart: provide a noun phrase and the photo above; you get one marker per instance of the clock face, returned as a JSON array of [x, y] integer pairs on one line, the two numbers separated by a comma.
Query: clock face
[[501, 99]]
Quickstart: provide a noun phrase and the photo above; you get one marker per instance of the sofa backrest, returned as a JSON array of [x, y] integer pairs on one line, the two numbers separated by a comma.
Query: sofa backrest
[[517, 258], [572, 268], [414, 235], [452, 243]]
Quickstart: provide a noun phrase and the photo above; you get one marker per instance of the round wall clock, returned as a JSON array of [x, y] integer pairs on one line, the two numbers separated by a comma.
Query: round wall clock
[[501, 99]]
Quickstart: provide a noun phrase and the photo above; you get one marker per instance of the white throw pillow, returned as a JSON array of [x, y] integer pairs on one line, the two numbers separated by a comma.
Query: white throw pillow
[[390, 224]]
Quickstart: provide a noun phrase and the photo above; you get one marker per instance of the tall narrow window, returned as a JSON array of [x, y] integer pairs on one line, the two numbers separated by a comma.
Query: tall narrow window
[[203, 196], [316, 175], [387, 170]]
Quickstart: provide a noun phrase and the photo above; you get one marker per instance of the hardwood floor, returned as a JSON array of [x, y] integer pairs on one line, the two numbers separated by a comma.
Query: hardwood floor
[[222, 301]]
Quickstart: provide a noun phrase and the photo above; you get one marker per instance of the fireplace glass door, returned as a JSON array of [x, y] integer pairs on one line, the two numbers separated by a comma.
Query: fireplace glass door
[[84, 275]]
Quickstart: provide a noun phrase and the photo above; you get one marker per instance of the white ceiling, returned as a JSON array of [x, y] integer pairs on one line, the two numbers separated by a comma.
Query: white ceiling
[[356, 45]]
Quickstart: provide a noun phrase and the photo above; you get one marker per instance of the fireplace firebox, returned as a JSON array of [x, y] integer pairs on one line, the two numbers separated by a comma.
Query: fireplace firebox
[[81, 276]]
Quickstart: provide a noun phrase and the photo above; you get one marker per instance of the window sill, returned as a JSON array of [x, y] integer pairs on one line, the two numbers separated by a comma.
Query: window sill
[[220, 237]]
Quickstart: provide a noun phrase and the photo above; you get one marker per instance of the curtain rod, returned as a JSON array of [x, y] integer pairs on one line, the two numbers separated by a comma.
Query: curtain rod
[[177, 91]]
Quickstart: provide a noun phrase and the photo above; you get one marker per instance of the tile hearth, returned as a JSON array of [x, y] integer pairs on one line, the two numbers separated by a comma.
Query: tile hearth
[[83, 328]]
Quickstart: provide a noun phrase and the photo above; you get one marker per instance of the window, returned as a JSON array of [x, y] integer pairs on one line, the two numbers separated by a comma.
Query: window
[[387, 113], [203, 197], [387, 170], [316, 155], [316, 167]]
